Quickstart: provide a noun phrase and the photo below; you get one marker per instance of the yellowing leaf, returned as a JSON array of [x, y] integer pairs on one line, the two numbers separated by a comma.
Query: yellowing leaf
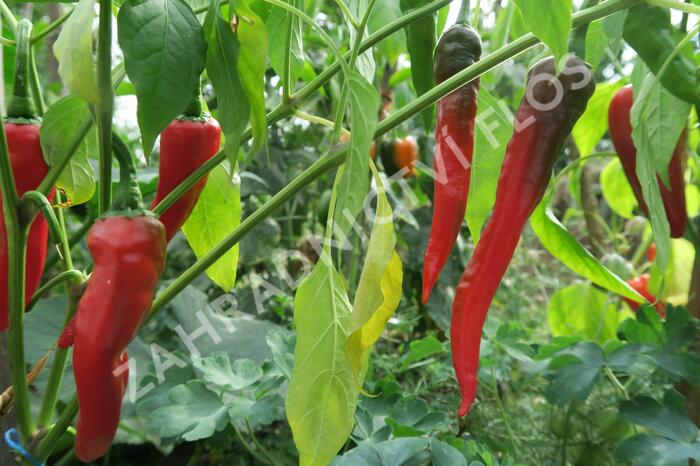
[[217, 212]]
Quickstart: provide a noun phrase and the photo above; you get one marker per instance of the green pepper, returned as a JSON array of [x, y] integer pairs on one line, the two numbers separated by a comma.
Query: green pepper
[[648, 30], [420, 40]]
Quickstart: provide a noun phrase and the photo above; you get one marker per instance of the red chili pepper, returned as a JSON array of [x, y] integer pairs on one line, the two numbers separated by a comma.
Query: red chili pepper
[[621, 134], [651, 253], [457, 49], [185, 145], [527, 169], [29, 169], [128, 247], [641, 286]]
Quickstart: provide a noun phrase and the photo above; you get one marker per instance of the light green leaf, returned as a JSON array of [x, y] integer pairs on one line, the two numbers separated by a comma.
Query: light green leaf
[[277, 31], [617, 190], [223, 49], [353, 178], [252, 63], [164, 52], [494, 126], [73, 50], [365, 61], [593, 124], [677, 277], [322, 394], [60, 123], [582, 310], [613, 26], [216, 214], [551, 28], [563, 245], [378, 291], [596, 43]]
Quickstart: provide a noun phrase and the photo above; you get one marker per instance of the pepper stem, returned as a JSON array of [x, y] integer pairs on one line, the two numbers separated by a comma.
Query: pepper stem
[[128, 195], [194, 108], [21, 103], [463, 16]]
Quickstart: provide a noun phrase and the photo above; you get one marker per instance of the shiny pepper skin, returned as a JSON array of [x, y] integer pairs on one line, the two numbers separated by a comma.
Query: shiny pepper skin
[[673, 197], [527, 169], [29, 169], [458, 48], [185, 145], [641, 285], [129, 256]]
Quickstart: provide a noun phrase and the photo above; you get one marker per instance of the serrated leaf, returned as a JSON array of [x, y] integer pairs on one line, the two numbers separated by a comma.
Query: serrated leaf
[[553, 28], [593, 124], [223, 52], [252, 63], [616, 190], [216, 214], [60, 123], [565, 247], [353, 178], [164, 52], [73, 50], [494, 125], [216, 369], [322, 394]]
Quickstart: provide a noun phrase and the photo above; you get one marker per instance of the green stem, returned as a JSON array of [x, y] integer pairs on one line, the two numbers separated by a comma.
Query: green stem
[[21, 103], [67, 459], [194, 108], [318, 120], [65, 276], [72, 241], [463, 16], [675, 5], [16, 250], [39, 200], [50, 28], [257, 444], [49, 442], [9, 16], [287, 68], [128, 196], [247, 446], [37, 93], [106, 105], [504, 415], [317, 169]]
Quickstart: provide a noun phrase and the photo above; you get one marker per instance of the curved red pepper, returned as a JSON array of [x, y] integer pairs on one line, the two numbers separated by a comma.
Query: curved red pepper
[[527, 169], [458, 48], [129, 255], [29, 169], [185, 145], [641, 285], [673, 197]]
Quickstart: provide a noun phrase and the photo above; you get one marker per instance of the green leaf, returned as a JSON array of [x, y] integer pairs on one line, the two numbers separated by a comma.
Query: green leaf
[[365, 61], [552, 28], [564, 246], [215, 215], [593, 124], [617, 190], [677, 277], [582, 310], [663, 419], [583, 364], [422, 349], [596, 44], [223, 50], [353, 177], [73, 50], [613, 26], [216, 369], [378, 291], [60, 123], [494, 126], [164, 52], [277, 31], [194, 413], [651, 450], [658, 118], [252, 63], [322, 394]]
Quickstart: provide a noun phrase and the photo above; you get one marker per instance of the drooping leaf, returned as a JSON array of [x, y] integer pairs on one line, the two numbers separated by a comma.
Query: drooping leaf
[[164, 52], [277, 24], [493, 129], [353, 177], [252, 62], [215, 215], [73, 50], [616, 190], [223, 51], [582, 310], [322, 394], [59, 125], [553, 28]]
